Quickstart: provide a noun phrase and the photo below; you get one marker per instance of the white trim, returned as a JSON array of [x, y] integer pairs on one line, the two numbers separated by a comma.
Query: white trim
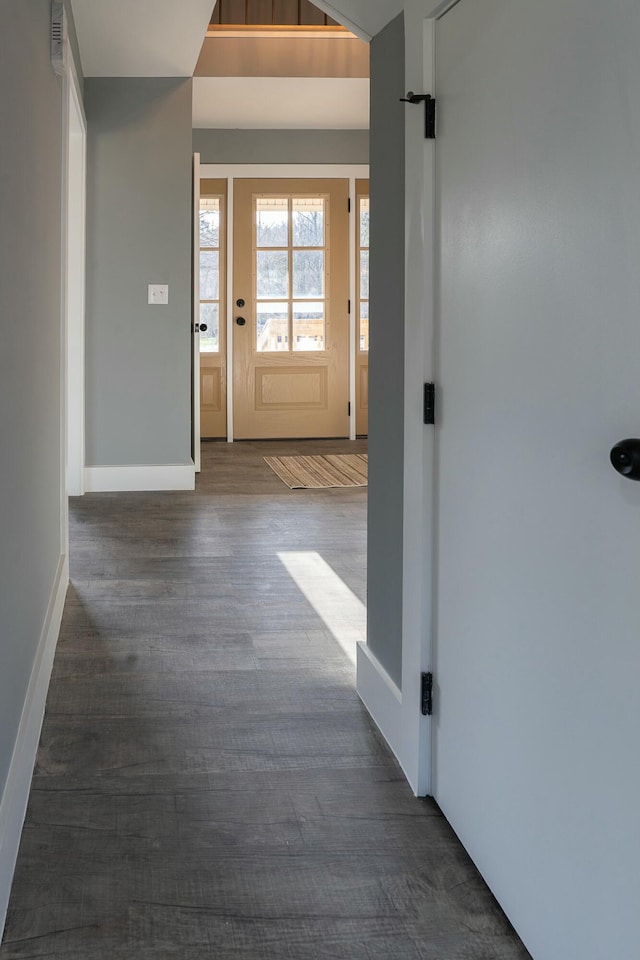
[[195, 330], [354, 223], [435, 11], [142, 478], [283, 171], [229, 212], [75, 286], [398, 713], [13, 804], [419, 468], [220, 33], [382, 698], [74, 247]]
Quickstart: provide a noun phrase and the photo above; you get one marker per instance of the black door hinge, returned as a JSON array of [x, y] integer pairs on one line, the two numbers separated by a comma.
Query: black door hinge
[[349, 205], [349, 306], [349, 409], [426, 694], [429, 111], [430, 118], [429, 403]]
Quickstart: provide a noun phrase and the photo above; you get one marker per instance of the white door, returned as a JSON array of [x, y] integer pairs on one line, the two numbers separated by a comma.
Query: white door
[[537, 733]]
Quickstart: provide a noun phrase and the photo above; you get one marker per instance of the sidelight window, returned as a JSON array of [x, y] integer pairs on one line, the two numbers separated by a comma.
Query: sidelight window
[[210, 266], [363, 275]]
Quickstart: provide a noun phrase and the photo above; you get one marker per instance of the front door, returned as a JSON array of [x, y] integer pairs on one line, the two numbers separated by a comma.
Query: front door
[[291, 313], [538, 609]]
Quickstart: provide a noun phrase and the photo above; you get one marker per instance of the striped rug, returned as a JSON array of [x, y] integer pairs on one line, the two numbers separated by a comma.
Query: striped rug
[[338, 470]]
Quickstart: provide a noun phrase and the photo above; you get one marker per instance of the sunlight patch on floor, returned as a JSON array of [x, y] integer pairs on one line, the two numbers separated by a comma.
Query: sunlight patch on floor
[[343, 613]]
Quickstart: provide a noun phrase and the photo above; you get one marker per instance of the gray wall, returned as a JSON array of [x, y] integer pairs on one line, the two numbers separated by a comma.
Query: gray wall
[[386, 358], [30, 324], [138, 364], [282, 146]]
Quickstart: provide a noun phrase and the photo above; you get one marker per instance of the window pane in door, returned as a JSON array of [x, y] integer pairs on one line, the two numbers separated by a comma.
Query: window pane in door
[[272, 274], [210, 338], [308, 222], [308, 326], [272, 323], [272, 222], [209, 275], [308, 273]]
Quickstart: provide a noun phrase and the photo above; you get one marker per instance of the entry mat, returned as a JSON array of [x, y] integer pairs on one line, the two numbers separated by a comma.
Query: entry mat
[[311, 473]]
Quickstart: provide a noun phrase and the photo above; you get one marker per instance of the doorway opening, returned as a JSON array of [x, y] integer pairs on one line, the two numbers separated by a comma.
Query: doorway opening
[[282, 287]]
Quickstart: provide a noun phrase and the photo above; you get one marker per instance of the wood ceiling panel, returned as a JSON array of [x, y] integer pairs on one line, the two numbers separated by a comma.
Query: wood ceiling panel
[[270, 13], [260, 12], [310, 15], [285, 11], [233, 11]]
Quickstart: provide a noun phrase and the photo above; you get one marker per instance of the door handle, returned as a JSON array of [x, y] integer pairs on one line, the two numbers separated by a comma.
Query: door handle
[[625, 458], [240, 321], [199, 327]]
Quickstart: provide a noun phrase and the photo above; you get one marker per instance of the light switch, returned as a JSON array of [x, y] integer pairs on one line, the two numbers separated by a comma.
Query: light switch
[[158, 293]]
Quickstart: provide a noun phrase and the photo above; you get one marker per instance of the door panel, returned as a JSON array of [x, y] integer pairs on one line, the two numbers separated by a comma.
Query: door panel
[[213, 340], [537, 638], [291, 346], [362, 303]]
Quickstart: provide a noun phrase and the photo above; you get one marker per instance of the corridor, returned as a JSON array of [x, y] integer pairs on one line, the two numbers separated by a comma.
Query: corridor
[[208, 784]]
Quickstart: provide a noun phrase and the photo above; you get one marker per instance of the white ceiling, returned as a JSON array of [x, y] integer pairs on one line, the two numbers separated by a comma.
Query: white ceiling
[[280, 103], [364, 17], [140, 38]]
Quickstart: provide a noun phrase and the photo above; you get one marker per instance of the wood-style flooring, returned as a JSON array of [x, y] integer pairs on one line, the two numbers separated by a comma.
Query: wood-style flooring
[[208, 784]]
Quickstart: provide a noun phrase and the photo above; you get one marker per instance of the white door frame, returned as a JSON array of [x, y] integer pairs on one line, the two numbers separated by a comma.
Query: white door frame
[[73, 284], [398, 710], [195, 320], [420, 442], [281, 171]]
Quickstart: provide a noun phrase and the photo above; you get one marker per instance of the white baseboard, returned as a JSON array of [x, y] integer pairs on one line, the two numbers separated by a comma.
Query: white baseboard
[[13, 803], [382, 698], [143, 478]]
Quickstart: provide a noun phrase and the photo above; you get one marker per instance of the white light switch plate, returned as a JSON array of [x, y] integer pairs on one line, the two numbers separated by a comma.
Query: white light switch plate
[[158, 293]]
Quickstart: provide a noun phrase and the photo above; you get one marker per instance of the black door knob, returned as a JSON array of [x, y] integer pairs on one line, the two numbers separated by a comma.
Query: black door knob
[[240, 303], [240, 321], [203, 327], [625, 458]]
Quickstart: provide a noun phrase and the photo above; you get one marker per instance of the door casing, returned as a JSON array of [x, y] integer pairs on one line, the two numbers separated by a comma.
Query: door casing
[[231, 172]]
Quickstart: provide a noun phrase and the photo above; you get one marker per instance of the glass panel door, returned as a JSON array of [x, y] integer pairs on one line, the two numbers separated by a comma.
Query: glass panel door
[[291, 325]]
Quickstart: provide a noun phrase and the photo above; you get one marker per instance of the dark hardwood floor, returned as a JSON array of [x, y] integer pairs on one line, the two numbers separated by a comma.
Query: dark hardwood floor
[[208, 784]]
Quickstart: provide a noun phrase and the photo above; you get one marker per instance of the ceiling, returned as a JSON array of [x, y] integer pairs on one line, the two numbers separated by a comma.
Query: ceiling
[[274, 103], [140, 38], [162, 38], [364, 17]]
